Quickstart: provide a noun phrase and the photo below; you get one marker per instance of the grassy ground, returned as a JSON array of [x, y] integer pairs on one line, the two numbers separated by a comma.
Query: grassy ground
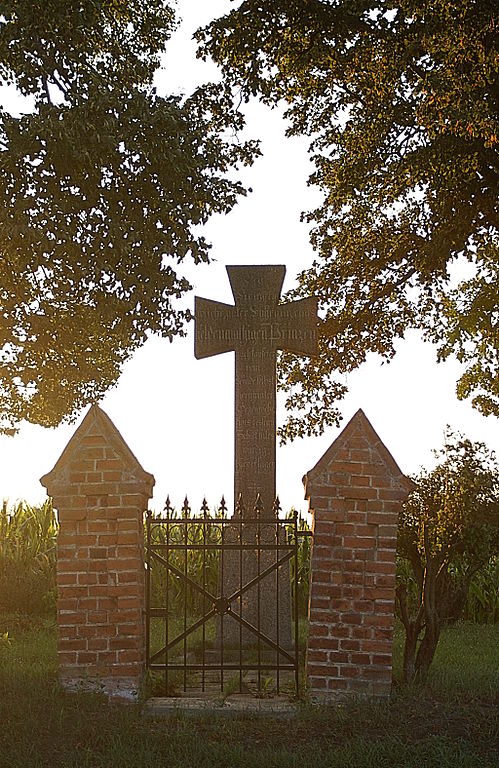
[[452, 721]]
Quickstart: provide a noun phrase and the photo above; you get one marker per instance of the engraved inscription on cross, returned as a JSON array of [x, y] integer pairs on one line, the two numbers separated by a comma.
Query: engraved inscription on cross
[[255, 328]]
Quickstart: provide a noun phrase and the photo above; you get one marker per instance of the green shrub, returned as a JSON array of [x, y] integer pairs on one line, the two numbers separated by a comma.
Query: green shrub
[[448, 532]]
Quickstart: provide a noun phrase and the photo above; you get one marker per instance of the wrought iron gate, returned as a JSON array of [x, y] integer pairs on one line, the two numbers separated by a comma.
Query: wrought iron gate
[[222, 603]]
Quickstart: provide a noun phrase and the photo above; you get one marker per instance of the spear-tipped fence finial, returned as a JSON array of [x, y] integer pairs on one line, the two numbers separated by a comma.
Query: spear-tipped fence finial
[[258, 508], [204, 507], [168, 507], [239, 510], [223, 507], [276, 507]]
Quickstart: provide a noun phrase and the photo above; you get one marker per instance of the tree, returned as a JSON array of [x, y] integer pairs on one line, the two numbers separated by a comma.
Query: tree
[[103, 186], [399, 99], [448, 530]]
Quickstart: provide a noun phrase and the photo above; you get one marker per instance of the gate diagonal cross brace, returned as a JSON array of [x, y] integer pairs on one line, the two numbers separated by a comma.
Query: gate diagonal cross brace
[[260, 576], [215, 601], [169, 566], [183, 635], [261, 635], [235, 595]]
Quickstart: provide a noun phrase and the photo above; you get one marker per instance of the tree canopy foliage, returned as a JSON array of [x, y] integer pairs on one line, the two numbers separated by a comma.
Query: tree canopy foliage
[[399, 99], [448, 530], [103, 186]]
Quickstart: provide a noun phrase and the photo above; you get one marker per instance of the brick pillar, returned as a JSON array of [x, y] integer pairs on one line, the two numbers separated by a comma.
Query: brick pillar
[[355, 492], [100, 492]]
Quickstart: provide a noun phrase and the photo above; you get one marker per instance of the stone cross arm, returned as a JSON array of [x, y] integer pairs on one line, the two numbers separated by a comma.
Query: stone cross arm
[[256, 320]]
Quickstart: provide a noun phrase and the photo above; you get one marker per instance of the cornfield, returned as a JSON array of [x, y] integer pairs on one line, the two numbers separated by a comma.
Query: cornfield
[[482, 605], [482, 602], [28, 537]]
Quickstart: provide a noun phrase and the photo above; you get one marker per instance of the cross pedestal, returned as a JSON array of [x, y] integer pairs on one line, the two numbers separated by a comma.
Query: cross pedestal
[[255, 328]]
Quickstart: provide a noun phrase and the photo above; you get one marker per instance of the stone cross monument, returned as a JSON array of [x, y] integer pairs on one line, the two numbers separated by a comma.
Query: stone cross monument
[[255, 328]]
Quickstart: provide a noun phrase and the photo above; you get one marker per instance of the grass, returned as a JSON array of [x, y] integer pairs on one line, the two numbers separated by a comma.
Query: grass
[[451, 722], [466, 662]]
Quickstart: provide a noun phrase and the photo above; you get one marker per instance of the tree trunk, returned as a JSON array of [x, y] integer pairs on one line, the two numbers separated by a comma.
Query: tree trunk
[[427, 648], [412, 629], [410, 644]]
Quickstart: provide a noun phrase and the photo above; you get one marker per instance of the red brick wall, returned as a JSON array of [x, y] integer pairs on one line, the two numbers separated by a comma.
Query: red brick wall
[[355, 493], [100, 567]]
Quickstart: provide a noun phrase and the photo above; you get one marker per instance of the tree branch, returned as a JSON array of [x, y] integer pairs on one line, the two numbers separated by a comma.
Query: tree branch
[[46, 89]]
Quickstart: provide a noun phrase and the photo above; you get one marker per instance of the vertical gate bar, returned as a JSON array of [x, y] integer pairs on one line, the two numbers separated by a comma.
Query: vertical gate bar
[[167, 590], [278, 531], [222, 592], [148, 586], [297, 675], [205, 509], [186, 504], [258, 556], [240, 603]]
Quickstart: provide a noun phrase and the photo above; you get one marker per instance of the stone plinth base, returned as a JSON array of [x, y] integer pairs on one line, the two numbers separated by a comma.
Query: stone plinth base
[[122, 688]]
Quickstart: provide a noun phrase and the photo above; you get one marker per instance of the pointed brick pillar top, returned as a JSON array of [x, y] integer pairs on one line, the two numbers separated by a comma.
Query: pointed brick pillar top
[[355, 494], [96, 427], [358, 435], [100, 492]]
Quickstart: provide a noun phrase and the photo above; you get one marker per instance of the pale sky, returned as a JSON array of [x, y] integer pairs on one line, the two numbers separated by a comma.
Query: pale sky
[[176, 413]]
